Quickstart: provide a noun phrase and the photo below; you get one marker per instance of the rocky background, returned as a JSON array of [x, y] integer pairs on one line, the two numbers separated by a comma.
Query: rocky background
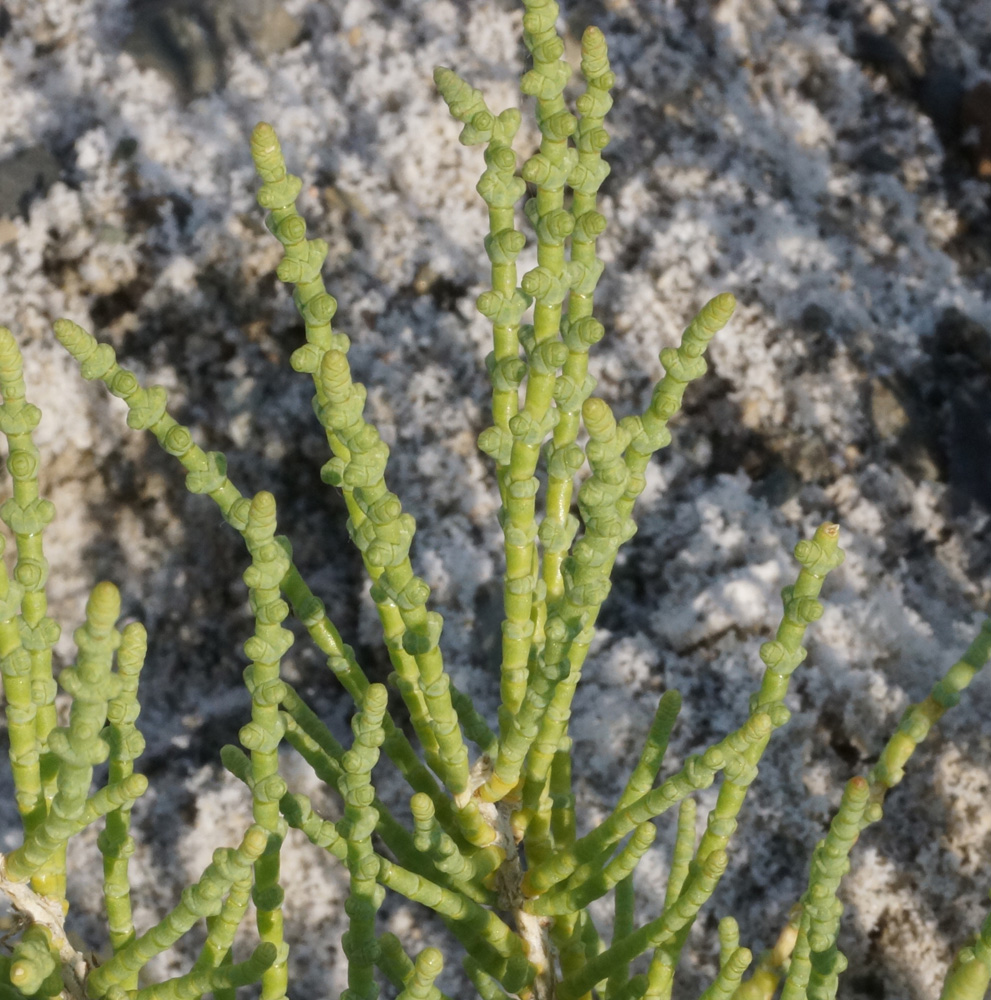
[[827, 161]]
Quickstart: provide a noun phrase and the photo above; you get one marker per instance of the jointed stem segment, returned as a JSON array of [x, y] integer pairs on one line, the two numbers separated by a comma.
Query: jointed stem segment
[[27, 658], [377, 524]]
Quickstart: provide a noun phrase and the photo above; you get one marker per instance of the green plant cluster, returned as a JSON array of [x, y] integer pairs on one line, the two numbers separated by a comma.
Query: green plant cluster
[[494, 848]]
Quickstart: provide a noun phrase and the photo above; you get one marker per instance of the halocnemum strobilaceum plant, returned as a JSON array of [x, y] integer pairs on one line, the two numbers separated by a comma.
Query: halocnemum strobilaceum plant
[[494, 846]]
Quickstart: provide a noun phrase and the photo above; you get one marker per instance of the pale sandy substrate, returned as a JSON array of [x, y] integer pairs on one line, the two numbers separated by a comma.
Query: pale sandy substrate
[[752, 153]]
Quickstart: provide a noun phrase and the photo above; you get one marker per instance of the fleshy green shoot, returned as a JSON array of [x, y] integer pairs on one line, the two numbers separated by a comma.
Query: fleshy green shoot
[[494, 848]]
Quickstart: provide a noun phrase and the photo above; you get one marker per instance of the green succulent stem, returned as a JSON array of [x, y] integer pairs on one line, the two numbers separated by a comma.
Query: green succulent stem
[[322, 752], [683, 853], [698, 889], [203, 899], [420, 985], [27, 514], [207, 473], [915, 725], [378, 525], [126, 745], [579, 329], [200, 982], [772, 965], [618, 454], [393, 961], [970, 973], [731, 972], [221, 928], [816, 962], [34, 961], [78, 746], [340, 659], [505, 302], [418, 977], [781, 656], [264, 733], [478, 928], [919, 719], [487, 986], [21, 711], [655, 746], [698, 772], [360, 819]]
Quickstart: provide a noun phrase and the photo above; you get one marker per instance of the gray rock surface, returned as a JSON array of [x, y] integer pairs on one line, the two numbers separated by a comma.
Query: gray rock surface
[[777, 150]]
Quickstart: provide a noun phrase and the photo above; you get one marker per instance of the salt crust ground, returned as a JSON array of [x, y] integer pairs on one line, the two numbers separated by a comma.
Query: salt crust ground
[[751, 153]]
